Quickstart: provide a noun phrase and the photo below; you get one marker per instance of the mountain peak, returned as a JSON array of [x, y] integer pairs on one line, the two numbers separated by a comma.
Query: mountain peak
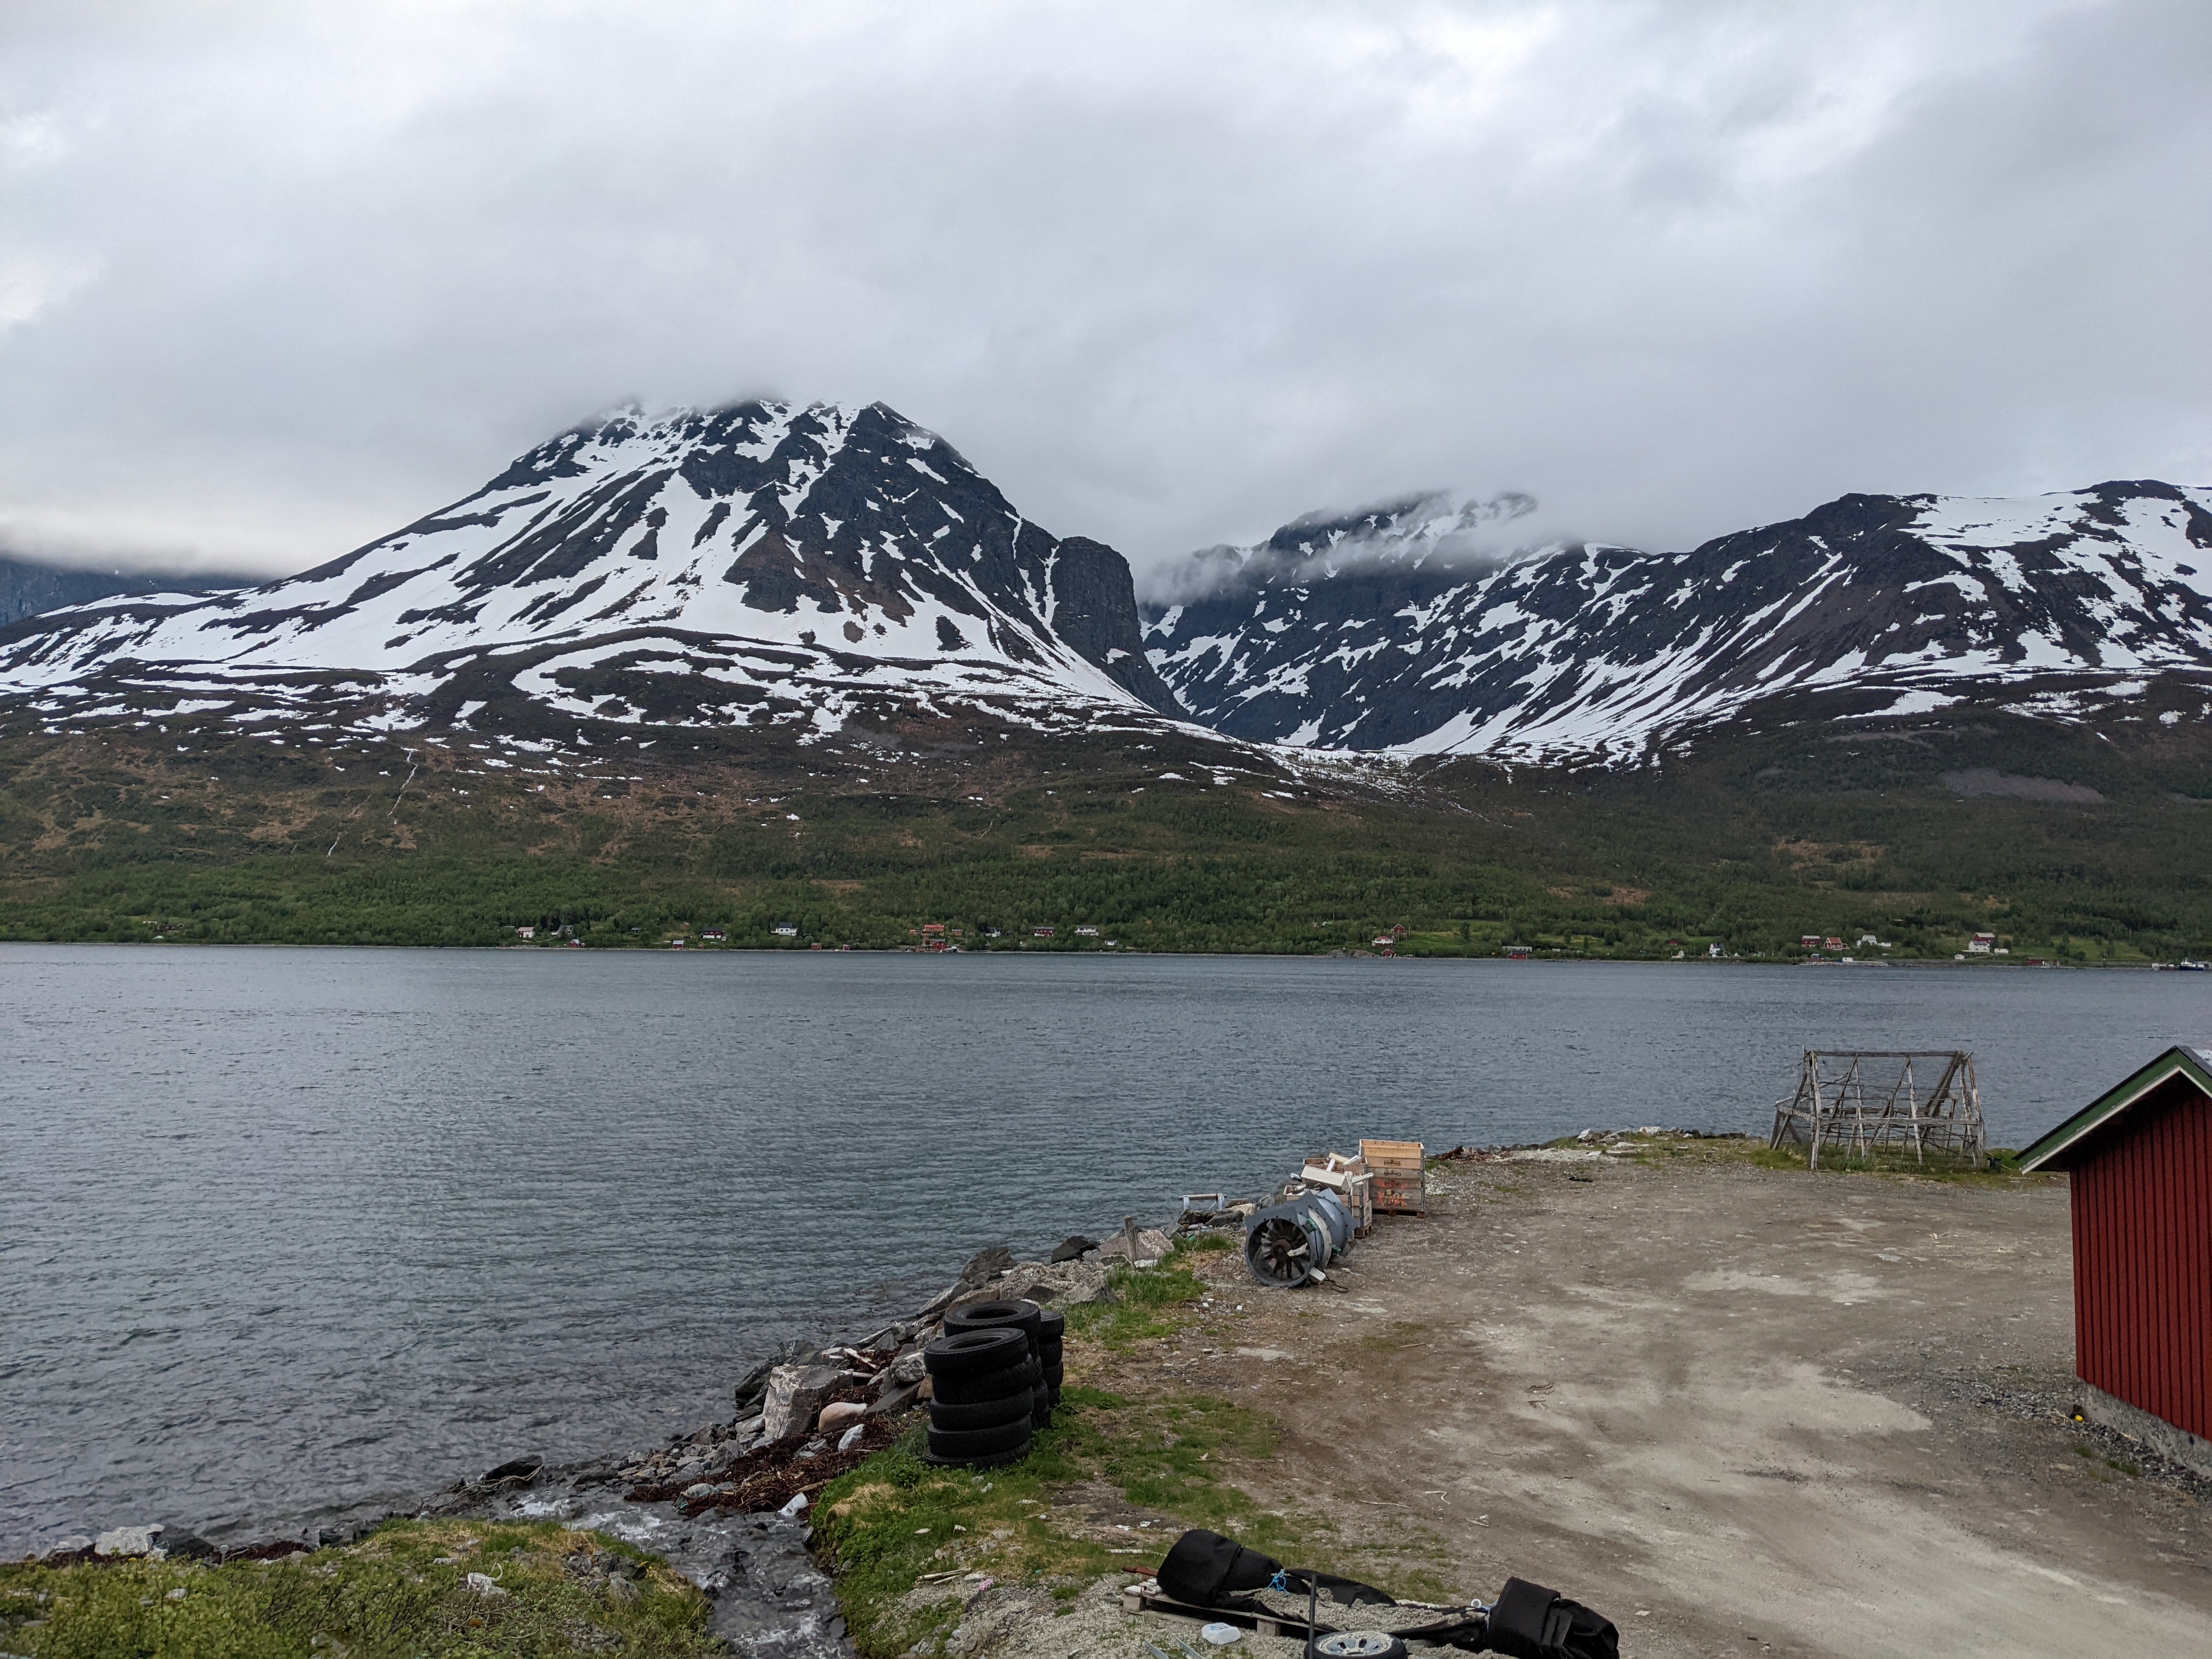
[[762, 544], [2055, 604]]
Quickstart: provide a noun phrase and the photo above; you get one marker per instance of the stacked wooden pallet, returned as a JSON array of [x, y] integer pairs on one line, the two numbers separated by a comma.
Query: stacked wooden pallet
[[1395, 1182]]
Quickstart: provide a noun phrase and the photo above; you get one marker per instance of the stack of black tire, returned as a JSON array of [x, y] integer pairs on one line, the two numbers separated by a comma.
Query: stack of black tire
[[1051, 1327], [994, 1376]]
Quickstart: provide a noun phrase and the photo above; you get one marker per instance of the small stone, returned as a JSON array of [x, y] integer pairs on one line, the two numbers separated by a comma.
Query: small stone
[[987, 1263], [1072, 1247], [128, 1542], [699, 1489], [896, 1401], [76, 1546]]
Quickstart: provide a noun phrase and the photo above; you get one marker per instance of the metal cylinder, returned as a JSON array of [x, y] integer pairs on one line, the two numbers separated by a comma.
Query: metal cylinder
[[1285, 1244]]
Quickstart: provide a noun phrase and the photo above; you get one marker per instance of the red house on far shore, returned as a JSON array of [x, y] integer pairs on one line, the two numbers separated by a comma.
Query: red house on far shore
[[2140, 1160]]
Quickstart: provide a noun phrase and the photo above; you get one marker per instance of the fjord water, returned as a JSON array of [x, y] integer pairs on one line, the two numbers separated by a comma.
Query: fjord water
[[287, 1232]]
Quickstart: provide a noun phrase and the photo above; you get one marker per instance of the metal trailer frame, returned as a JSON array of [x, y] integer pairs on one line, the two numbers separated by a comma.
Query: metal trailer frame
[[1851, 1097]]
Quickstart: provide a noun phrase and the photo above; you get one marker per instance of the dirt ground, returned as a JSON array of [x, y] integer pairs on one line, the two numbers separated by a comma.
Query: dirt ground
[[1737, 1409]]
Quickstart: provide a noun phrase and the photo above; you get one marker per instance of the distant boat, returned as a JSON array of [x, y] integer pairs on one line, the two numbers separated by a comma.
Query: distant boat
[[2184, 966]]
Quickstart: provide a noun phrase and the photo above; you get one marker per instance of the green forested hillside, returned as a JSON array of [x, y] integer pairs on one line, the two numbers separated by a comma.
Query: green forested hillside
[[1749, 843]]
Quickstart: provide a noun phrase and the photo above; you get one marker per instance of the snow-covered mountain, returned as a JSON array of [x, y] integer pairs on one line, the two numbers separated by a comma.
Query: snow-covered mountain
[[771, 566], [1371, 631], [759, 564]]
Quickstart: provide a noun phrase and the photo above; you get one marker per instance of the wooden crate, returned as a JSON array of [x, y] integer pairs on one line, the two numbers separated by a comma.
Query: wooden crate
[[1396, 1168]]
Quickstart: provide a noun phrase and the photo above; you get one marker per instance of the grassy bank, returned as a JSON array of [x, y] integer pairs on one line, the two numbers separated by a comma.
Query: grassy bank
[[1127, 1464], [403, 1592], [1994, 1169]]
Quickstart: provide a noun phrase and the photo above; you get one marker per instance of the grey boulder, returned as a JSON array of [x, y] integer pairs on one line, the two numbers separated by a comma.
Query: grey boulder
[[795, 1397]]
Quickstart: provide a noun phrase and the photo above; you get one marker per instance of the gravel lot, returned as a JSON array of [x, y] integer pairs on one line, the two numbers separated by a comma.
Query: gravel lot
[[1737, 1409]]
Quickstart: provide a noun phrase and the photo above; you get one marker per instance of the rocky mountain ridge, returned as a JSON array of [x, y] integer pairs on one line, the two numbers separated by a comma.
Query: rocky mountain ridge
[[1357, 632], [29, 587], [823, 569], [763, 564]]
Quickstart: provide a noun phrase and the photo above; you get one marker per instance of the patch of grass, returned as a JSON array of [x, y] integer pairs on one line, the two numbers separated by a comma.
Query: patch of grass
[[1147, 1302], [1997, 1169], [897, 1517], [401, 1592], [897, 1520]]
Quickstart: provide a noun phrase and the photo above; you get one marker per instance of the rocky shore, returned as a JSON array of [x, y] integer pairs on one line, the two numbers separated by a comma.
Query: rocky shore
[[724, 1503]]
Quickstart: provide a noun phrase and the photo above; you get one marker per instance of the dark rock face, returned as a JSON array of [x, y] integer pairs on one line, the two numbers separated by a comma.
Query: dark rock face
[[1601, 651], [1095, 610], [30, 588]]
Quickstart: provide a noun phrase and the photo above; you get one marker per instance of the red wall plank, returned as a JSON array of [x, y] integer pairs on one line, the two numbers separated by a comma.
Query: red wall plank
[[2142, 1257]]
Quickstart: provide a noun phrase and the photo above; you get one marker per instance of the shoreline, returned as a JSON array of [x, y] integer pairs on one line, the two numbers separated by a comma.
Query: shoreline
[[1551, 958], [1334, 1386], [992, 1266]]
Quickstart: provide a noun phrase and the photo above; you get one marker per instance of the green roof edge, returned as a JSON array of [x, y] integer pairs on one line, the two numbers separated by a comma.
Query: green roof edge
[[2115, 1101]]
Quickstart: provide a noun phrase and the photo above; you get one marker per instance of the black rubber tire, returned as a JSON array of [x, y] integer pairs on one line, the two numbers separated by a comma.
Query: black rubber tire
[[979, 1443], [995, 1385], [983, 1415], [1052, 1325], [995, 1461], [1024, 1316], [1054, 1375], [975, 1353], [1048, 1354], [1360, 1645], [1041, 1409]]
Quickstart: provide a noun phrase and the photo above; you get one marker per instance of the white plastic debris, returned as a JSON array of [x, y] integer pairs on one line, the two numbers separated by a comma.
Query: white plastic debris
[[798, 1502], [485, 1585], [1220, 1635], [851, 1437]]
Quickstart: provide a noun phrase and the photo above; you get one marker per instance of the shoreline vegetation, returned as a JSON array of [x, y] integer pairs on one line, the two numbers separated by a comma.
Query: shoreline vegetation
[[1134, 1454]]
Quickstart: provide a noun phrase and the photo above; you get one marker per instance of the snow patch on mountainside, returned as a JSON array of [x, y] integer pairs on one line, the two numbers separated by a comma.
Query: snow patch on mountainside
[[766, 563], [1600, 651]]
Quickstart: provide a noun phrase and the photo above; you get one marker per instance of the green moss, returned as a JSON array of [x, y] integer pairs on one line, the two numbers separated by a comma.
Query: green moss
[[400, 1593]]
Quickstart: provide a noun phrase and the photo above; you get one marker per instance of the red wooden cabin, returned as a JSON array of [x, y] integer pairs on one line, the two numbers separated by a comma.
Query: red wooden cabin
[[2140, 1160]]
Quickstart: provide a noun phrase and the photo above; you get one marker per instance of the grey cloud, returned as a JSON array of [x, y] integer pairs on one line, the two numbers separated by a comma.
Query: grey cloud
[[277, 278]]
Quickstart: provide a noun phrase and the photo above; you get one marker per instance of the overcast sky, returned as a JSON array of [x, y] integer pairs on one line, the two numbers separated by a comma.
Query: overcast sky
[[277, 278]]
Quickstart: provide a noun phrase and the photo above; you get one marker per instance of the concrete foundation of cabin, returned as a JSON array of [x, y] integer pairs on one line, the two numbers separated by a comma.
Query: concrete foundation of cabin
[[2161, 1437]]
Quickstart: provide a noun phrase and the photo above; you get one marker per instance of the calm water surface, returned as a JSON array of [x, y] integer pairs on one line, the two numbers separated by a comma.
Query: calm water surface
[[285, 1232]]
